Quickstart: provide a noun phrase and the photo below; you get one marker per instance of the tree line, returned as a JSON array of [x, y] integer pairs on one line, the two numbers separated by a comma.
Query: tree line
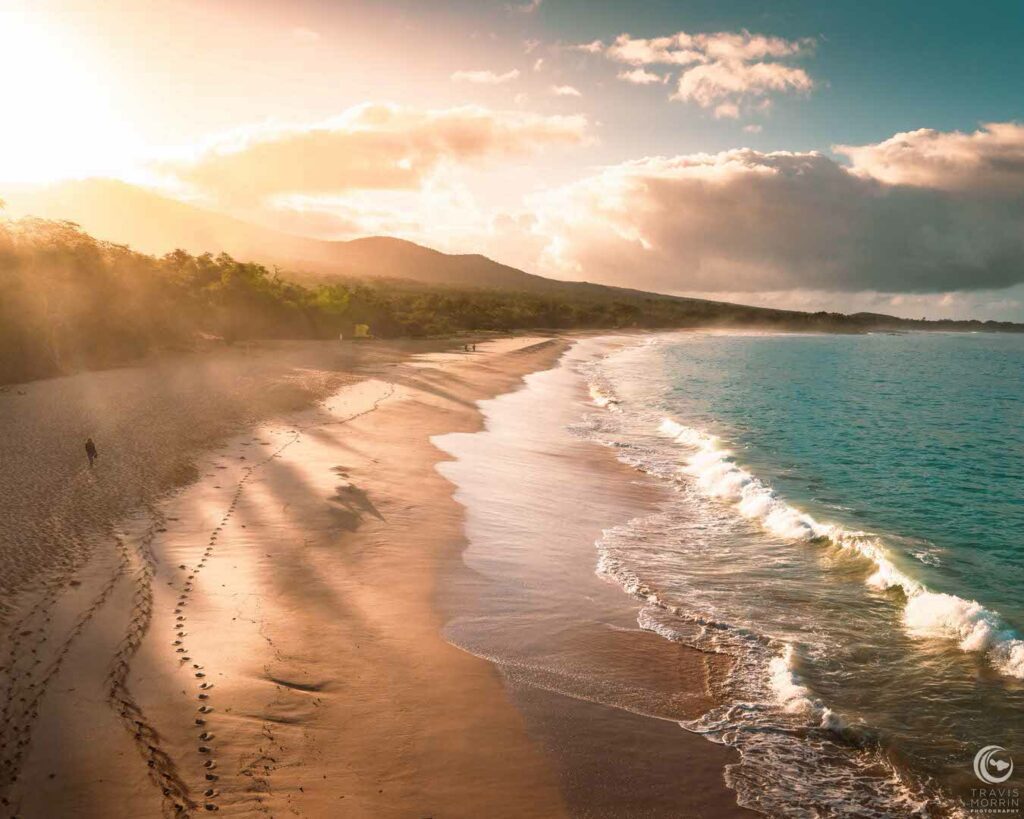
[[69, 301]]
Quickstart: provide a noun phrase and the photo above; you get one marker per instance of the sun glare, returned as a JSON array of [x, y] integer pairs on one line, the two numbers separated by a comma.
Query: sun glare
[[57, 106]]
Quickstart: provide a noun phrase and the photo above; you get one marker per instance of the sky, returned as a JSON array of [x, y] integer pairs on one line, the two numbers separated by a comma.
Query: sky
[[816, 155]]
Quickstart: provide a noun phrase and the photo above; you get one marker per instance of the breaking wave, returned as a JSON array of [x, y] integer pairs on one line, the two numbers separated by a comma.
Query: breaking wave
[[926, 613]]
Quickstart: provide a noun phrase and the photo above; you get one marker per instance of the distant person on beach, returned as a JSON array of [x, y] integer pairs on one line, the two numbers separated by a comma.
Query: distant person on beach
[[90, 450]]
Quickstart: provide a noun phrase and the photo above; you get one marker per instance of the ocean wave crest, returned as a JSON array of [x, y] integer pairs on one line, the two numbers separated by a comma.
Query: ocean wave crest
[[926, 613]]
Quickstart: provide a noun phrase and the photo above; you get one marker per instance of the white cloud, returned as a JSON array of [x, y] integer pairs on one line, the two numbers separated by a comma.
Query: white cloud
[[727, 110], [730, 73], [538, 64], [486, 77], [992, 156], [753, 129], [372, 146], [640, 76], [732, 83], [744, 221], [565, 91], [686, 49]]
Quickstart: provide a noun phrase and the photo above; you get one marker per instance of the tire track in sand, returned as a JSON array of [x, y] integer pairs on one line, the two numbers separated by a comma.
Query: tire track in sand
[[21, 703], [162, 770], [28, 667]]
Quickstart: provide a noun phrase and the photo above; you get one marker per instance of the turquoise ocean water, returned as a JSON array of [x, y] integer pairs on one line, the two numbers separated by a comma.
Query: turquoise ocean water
[[847, 521]]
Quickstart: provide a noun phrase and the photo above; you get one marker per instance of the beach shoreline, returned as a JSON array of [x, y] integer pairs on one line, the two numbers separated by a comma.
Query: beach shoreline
[[269, 639]]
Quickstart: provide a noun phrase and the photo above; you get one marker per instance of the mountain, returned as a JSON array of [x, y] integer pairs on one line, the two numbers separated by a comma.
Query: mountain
[[155, 224], [125, 214]]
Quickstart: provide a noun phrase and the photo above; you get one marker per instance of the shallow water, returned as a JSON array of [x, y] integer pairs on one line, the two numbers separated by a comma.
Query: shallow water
[[841, 516], [846, 523]]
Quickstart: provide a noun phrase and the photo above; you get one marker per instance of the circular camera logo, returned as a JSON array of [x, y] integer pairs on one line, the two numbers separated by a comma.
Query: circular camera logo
[[993, 765]]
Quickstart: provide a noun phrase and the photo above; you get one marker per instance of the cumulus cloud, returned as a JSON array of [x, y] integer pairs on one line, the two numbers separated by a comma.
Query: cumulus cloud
[[745, 221], [593, 47], [640, 76], [727, 72], [729, 84], [686, 49], [368, 147], [565, 91], [992, 157], [486, 77]]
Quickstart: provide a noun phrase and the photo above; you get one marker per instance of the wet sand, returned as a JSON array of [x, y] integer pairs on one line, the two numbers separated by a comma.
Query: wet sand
[[267, 640]]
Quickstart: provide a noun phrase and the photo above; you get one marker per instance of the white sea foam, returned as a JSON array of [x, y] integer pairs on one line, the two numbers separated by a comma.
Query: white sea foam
[[769, 712], [791, 694], [926, 613], [603, 397], [795, 697]]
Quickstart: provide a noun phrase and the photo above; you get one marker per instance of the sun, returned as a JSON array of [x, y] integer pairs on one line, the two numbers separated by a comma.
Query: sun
[[58, 115]]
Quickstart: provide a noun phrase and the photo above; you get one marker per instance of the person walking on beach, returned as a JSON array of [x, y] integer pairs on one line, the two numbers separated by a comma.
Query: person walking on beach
[[90, 450]]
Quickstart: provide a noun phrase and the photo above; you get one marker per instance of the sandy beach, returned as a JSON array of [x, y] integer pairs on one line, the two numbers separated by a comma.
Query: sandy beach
[[259, 629]]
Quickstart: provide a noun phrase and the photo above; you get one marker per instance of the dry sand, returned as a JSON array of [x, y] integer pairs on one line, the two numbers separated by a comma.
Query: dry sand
[[266, 641]]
